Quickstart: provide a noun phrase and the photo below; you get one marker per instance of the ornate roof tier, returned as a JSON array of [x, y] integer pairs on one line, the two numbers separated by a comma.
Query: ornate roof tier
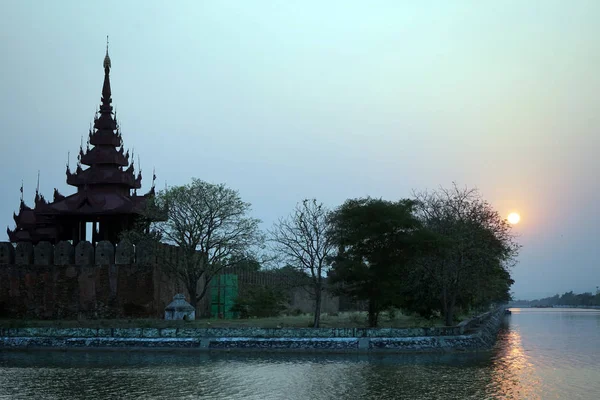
[[104, 155], [97, 176], [30, 226], [25, 217], [88, 203], [105, 137]]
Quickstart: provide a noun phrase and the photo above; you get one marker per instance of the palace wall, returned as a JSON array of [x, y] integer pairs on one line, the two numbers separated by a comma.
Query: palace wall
[[60, 281]]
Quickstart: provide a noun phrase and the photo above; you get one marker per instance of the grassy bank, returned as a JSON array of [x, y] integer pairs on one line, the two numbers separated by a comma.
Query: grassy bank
[[341, 320]]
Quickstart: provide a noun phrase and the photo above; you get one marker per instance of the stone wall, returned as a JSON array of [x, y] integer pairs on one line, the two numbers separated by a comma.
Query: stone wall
[[441, 339]]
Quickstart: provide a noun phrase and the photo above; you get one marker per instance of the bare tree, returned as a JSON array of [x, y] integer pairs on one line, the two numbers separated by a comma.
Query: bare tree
[[476, 245], [302, 241], [210, 225]]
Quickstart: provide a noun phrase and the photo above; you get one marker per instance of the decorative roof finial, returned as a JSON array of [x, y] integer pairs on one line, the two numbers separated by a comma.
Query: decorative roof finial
[[105, 107], [37, 188], [21, 190], [106, 58]]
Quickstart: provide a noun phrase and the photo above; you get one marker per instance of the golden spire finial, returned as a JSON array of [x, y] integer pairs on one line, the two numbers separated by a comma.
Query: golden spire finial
[[106, 58]]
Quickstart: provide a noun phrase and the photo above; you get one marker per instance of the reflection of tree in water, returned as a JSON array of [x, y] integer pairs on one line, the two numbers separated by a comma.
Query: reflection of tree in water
[[110, 375], [513, 376]]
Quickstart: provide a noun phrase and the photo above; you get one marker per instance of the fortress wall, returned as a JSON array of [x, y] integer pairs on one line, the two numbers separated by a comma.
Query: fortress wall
[[62, 281]]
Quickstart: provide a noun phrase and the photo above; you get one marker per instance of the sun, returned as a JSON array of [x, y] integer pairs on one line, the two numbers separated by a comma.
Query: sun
[[514, 218]]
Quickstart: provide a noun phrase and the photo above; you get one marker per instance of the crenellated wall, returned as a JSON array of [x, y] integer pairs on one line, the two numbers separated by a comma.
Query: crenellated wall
[[63, 253], [63, 281]]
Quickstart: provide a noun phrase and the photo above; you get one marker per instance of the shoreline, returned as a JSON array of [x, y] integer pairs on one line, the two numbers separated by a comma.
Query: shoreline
[[476, 334]]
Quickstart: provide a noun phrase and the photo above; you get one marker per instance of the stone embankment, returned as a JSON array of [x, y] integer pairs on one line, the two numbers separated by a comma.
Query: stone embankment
[[478, 333]]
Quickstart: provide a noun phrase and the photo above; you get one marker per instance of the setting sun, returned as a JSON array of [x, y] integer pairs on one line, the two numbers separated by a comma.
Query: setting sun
[[514, 218]]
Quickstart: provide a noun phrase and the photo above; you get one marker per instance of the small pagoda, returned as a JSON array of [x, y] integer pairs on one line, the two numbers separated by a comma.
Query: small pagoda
[[106, 194]]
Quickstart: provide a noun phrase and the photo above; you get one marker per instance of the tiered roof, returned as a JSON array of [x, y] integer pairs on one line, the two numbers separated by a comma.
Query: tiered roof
[[106, 159], [103, 189]]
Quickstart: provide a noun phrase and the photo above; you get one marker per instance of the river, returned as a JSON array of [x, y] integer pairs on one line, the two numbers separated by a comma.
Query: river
[[540, 354]]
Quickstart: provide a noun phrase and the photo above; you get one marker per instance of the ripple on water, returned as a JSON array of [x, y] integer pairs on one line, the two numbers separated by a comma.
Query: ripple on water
[[538, 356]]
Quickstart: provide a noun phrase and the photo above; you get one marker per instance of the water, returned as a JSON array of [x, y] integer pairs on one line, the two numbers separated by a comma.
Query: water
[[540, 354]]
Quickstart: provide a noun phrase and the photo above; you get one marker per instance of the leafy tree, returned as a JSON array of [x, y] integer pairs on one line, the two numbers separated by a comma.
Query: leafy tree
[[376, 240], [301, 240], [144, 228], [476, 249], [250, 264], [567, 299], [210, 225]]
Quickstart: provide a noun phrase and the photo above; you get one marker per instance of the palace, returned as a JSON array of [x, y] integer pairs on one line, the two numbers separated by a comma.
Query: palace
[[104, 197]]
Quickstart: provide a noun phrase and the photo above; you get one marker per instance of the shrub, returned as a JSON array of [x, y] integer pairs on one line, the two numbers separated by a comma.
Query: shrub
[[260, 302], [391, 314], [356, 318], [296, 312]]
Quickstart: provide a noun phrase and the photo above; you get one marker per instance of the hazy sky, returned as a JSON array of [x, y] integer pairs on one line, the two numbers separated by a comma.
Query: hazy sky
[[284, 100]]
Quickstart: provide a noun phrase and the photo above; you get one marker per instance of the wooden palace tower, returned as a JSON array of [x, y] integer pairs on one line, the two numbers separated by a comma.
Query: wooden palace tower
[[104, 197]]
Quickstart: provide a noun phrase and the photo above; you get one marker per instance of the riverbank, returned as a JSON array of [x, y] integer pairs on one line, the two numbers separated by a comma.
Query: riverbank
[[477, 333]]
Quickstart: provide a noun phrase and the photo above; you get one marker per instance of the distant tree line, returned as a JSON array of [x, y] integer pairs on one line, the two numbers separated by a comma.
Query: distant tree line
[[566, 299], [436, 253]]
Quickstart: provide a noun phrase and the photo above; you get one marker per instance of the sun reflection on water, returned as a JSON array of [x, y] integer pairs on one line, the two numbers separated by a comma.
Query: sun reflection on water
[[513, 375]]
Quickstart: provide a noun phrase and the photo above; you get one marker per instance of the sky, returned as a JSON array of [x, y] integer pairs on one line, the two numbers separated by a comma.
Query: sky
[[330, 100]]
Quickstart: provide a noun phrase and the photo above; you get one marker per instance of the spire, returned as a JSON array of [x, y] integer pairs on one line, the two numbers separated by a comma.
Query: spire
[[80, 149], [152, 191], [21, 190], [37, 188], [108, 165], [106, 58], [106, 100]]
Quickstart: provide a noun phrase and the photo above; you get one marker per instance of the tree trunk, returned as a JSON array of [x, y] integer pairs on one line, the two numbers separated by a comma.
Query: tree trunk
[[373, 314], [446, 311], [193, 296], [318, 297], [449, 310], [449, 315]]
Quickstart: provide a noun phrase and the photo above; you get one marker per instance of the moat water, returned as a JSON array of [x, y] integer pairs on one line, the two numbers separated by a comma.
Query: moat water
[[540, 354]]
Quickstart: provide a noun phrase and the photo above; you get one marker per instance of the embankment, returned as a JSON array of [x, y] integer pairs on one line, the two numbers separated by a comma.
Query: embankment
[[478, 333]]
